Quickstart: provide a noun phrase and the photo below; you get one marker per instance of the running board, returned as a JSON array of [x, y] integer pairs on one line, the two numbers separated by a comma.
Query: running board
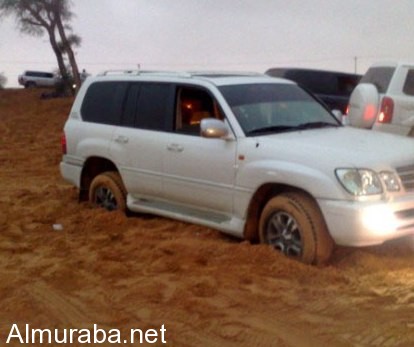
[[224, 223]]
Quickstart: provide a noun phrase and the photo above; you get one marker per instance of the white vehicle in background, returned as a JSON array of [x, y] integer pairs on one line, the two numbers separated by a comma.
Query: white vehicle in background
[[384, 99], [33, 79]]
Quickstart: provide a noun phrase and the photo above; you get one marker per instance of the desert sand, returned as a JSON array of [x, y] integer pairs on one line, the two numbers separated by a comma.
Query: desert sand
[[65, 264]]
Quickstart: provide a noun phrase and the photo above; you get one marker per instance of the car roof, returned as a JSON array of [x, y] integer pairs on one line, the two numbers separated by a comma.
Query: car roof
[[283, 71], [217, 78], [392, 64]]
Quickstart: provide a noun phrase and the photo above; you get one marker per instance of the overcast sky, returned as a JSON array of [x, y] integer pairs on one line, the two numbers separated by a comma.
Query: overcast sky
[[251, 35]]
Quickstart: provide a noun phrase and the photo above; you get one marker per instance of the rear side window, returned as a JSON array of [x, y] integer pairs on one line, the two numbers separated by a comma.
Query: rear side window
[[409, 83], [379, 76], [153, 106], [103, 102], [148, 106]]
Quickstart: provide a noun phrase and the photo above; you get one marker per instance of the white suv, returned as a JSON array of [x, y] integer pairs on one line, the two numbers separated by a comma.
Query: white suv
[[384, 99], [250, 155], [32, 79]]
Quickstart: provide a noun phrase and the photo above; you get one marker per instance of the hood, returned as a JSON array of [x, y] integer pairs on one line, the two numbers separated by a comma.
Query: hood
[[341, 147]]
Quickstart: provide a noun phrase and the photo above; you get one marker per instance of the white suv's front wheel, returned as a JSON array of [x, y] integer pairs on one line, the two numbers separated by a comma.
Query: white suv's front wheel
[[108, 191], [293, 224]]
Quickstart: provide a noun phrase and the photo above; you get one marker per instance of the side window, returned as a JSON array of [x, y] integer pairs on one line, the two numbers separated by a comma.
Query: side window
[[409, 83], [103, 102], [153, 106], [193, 105], [148, 106]]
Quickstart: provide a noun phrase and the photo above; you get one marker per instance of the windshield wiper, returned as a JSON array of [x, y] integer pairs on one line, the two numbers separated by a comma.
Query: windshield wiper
[[272, 129], [315, 125], [285, 128]]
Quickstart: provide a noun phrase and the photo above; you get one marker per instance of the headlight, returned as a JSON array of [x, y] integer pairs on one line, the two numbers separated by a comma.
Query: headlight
[[390, 181], [359, 182]]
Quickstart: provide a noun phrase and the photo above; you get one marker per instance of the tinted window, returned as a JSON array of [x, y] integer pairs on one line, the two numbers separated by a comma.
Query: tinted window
[[153, 106], [193, 105], [379, 76], [130, 108], [103, 102], [409, 83], [148, 106], [39, 74]]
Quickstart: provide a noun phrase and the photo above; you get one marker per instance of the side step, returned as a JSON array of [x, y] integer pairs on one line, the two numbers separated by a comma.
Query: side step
[[214, 220]]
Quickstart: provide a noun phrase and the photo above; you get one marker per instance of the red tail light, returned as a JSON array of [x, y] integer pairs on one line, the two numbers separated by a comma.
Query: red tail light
[[387, 110], [63, 143]]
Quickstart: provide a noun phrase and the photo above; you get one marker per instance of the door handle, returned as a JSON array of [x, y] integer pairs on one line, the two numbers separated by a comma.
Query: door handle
[[121, 139], [174, 147]]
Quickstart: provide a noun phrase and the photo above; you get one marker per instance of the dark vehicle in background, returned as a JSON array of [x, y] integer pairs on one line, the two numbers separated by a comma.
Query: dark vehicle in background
[[333, 88], [32, 79]]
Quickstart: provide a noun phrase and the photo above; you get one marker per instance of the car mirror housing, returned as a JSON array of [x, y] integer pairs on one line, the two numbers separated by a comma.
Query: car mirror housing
[[213, 128]]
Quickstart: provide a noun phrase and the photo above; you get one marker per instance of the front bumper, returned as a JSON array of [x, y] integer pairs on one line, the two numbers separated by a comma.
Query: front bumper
[[355, 223]]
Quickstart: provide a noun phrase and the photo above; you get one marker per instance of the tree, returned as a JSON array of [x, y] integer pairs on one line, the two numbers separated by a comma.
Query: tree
[[3, 80], [34, 17]]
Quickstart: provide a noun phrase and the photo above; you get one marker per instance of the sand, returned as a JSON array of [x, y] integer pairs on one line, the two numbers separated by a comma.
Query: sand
[[65, 264]]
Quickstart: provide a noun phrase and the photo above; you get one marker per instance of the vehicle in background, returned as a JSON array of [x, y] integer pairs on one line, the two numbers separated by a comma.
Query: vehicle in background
[[384, 99], [333, 88], [32, 79]]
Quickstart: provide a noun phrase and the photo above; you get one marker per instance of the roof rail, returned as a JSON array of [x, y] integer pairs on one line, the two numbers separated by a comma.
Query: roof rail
[[119, 72], [185, 74], [212, 73], [145, 72]]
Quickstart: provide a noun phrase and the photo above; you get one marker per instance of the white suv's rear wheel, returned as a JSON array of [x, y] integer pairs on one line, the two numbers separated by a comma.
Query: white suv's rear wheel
[[108, 191], [292, 223]]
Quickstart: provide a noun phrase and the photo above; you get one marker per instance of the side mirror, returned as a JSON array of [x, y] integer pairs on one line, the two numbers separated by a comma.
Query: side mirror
[[213, 128]]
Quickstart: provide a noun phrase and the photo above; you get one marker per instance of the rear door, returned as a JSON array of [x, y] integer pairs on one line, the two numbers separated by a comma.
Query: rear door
[[139, 142]]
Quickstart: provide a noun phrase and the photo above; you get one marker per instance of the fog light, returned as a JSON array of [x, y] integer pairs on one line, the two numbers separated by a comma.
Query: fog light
[[379, 219]]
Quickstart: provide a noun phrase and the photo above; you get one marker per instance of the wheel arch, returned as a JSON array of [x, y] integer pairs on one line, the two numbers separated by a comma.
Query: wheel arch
[[93, 166], [259, 199]]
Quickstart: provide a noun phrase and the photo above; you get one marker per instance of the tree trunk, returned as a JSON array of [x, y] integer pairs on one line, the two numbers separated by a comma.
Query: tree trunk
[[68, 49], [58, 53]]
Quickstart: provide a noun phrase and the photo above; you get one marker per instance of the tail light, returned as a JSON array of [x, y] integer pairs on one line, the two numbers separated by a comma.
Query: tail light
[[63, 143], [387, 110]]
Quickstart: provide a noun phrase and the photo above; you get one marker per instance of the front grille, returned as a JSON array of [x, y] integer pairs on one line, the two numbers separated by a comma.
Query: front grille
[[406, 174]]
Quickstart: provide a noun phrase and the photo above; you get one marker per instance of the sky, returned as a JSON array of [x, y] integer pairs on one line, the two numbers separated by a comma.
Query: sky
[[221, 35]]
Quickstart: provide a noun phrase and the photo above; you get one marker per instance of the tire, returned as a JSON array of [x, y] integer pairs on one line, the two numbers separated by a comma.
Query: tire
[[107, 190], [293, 224], [363, 106], [30, 85]]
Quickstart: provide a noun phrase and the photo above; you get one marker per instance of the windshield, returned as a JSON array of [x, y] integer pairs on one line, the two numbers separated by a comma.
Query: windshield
[[270, 108]]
